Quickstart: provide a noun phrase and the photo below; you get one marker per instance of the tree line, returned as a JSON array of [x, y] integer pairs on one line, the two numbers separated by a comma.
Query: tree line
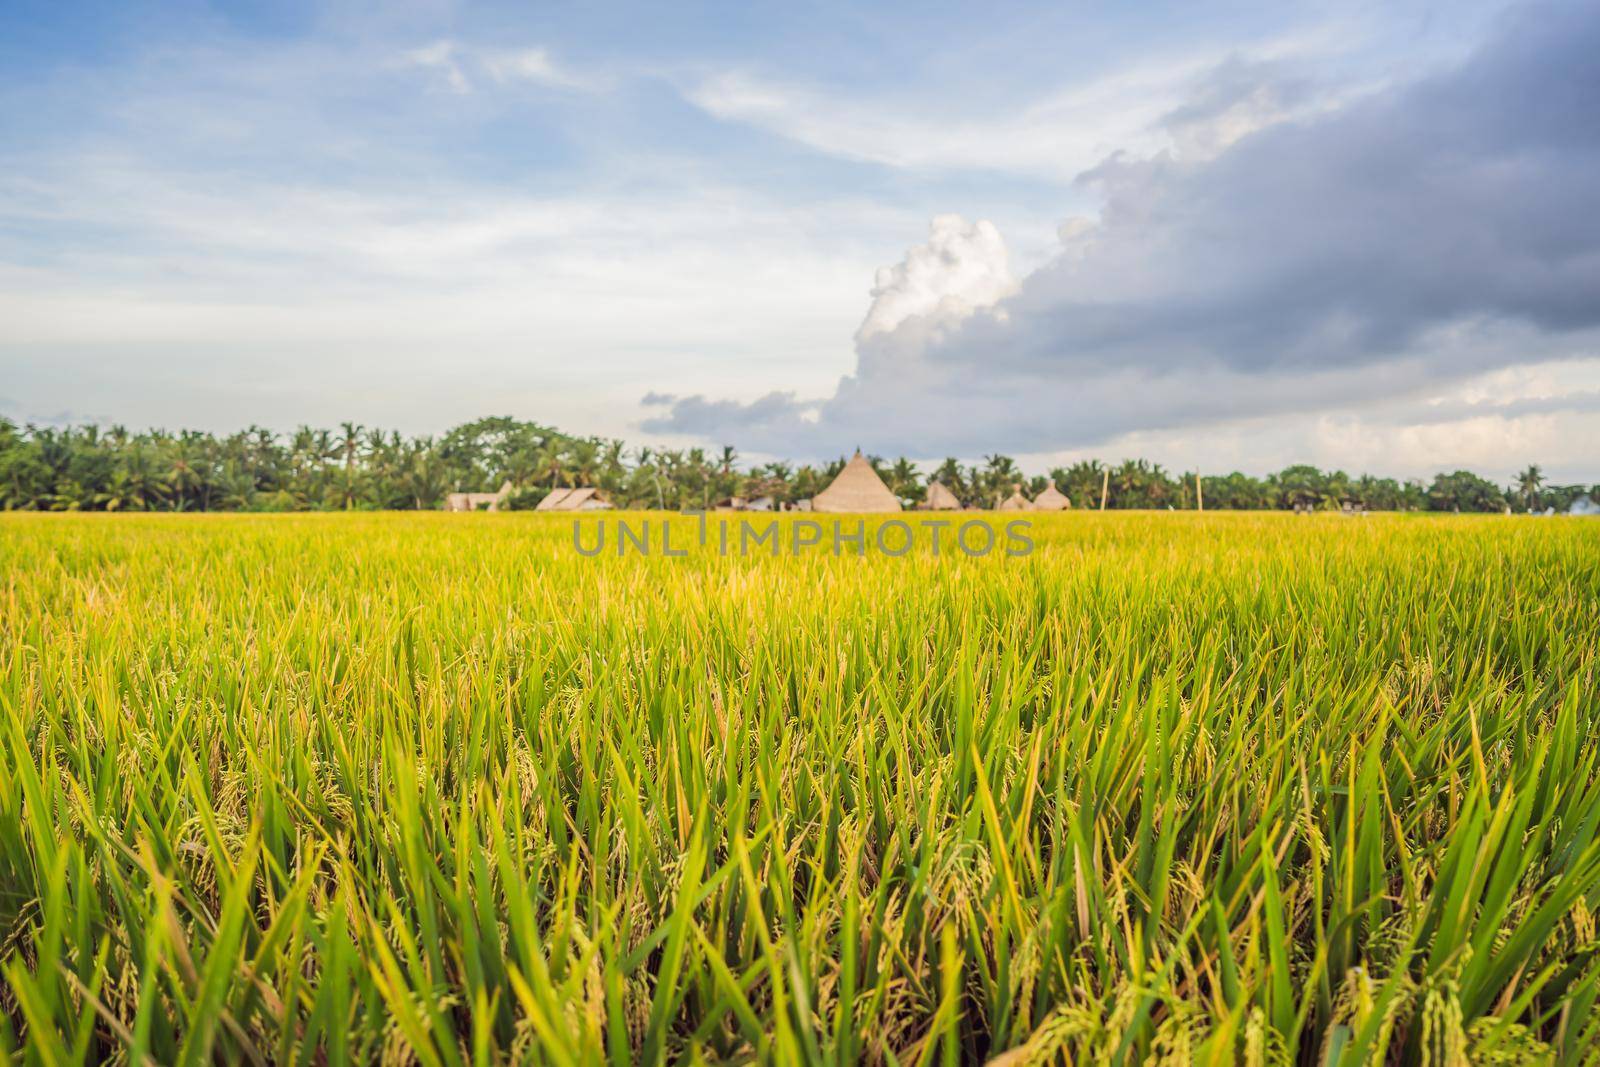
[[88, 468]]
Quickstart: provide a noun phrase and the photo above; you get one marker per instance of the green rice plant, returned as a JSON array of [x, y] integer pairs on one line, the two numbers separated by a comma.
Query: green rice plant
[[1169, 789]]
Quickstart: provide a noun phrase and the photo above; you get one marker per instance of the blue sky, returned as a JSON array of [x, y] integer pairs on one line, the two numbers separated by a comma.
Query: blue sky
[[1177, 230]]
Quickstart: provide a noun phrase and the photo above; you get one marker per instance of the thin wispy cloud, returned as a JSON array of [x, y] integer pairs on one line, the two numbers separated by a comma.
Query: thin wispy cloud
[[463, 68], [443, 59], [1196, 103], [538, 66]]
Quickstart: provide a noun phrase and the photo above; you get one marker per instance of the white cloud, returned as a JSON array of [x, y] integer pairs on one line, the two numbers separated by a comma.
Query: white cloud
[[1195, 103], [1056, 137], [533, 65], [960, 269], [460, 66], [442, 58], [1494, 424], [270, 296]]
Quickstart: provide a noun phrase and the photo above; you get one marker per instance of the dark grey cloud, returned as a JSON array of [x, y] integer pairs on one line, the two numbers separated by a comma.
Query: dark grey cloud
[[1415, 236], [1582, 402], [1586, 401], [761, 415]]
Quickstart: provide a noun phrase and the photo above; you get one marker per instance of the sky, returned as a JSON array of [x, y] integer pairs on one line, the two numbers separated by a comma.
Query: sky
[[1221, 236]]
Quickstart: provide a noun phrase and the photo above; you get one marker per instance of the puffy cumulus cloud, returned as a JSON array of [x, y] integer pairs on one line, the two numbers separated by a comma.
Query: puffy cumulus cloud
[[1410, 239], [962, 268]]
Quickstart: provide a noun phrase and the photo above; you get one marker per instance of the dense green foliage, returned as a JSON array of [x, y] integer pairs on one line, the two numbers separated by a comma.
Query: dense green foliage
[[89, 469], [433, 789]]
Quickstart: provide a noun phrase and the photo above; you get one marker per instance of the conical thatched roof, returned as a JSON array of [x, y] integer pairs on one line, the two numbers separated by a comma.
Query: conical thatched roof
[[940, 499], [1015, 502], [857, 489], [1052, 499]]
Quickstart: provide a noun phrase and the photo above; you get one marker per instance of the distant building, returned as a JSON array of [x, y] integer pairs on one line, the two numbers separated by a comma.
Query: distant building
[[939, 499], [1052, 499], [857, 489], [739, 503], [1015, 502], [476, 501], [584, 499]]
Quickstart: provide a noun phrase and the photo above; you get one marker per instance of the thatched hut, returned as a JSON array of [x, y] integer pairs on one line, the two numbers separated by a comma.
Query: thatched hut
[[586, 498], [1015, 502], [739, 503], [475, 501], [939, 499], [858, 489], [1052, 499]]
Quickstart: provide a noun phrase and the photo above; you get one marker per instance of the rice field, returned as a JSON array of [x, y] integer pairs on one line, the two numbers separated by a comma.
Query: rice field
[[430, 789]]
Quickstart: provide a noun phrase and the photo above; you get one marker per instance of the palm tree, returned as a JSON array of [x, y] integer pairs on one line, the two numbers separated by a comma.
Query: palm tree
[[1158, 487], [135, 486], [1529, 482], [1000, 474], [182, 477], [349, 441], [613, 465], [551, 462], [423, 476], [1301, 486], [238, 486], [903, 479], [585, 459], [645, 466], [777, 481], [347, 488], [325, 446], [73, 495], [698, 471], [1081, 481], [806, 482], [1128, 482], [670, 461]]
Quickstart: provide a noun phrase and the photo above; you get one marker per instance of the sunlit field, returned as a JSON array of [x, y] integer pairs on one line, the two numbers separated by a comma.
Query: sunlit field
[[435, 789]]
